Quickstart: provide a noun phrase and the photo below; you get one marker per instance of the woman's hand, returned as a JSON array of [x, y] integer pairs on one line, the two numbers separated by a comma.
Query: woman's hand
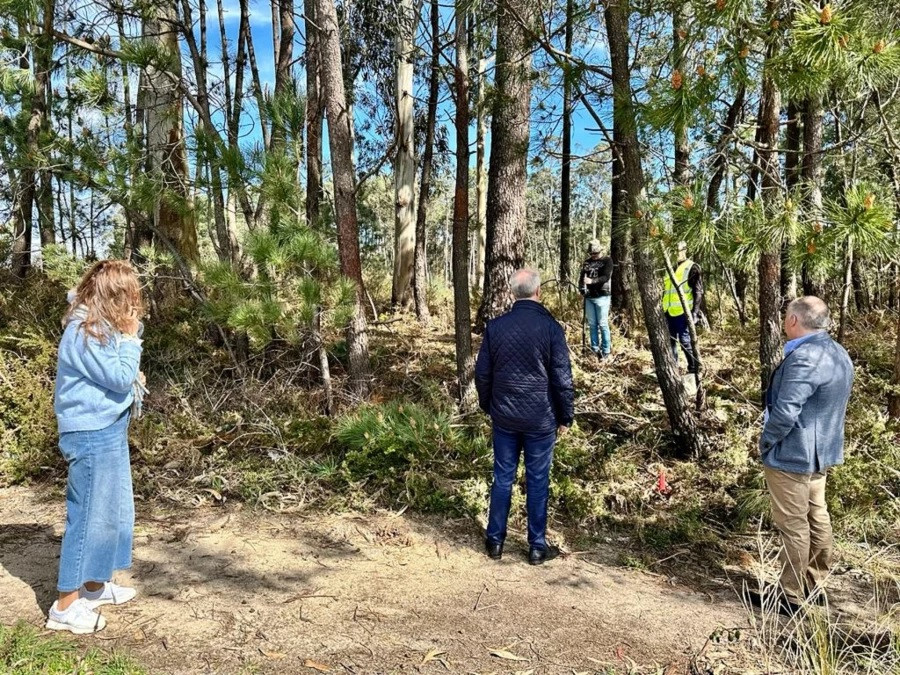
[[132, 325]]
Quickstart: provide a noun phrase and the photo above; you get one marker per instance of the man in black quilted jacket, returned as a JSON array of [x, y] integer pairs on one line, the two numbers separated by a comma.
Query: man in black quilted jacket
[[524, 383]]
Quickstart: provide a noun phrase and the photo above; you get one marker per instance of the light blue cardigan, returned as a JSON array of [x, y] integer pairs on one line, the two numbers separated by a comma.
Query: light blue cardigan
[[94, 381]]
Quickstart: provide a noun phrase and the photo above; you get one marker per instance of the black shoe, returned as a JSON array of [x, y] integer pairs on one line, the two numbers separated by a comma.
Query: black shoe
[[817, 597], [784, 606], [602, 356], [538, 556], [493, 550]]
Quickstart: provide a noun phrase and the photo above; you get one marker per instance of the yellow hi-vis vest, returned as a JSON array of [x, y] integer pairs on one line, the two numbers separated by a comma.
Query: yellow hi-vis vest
[[671, 303]]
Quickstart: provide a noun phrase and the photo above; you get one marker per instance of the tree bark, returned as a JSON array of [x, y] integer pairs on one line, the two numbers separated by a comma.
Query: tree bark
[[225, 240], [510, 135], [811, 175], [770, 258], [620, 238], [681, 175], [481, 177], [420, 281], [565, 199], [793, 136], [341, 151], [860, 287], [39, 124], [404, 161], [683, 424], [164, 120], [313, 118], [720, 161], [845, 289], [462, 314]]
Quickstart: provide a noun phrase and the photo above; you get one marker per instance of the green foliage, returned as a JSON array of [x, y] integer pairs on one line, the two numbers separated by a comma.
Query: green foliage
[[843, 43], [24, 651], [27, 421], [864, 216], [61, 267], [385, 439], [296, 278]]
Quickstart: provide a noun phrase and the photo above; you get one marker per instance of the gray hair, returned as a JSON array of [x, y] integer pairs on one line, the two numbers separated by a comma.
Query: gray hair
[[811, 312], [524, 283]]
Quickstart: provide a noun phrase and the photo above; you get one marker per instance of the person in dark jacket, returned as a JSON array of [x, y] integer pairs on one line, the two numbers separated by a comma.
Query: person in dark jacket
[[595, 285], [802, 437], [524, 382]]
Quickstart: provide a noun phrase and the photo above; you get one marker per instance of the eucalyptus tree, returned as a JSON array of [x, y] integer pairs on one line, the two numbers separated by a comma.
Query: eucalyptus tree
[[510, 136]]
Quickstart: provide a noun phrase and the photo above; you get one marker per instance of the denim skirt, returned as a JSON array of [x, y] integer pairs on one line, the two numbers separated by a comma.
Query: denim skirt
[[99, 505]]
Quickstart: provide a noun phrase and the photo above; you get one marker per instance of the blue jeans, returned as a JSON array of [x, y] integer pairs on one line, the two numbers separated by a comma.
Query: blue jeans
[[99, 505], [597, 312], [680, 332], [538, 456]]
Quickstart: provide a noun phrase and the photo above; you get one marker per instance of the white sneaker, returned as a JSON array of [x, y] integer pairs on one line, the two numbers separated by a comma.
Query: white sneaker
[[77, 618], [110, 594]]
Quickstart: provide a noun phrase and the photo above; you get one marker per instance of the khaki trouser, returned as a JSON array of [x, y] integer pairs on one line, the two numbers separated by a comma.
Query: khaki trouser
[[800, 514]]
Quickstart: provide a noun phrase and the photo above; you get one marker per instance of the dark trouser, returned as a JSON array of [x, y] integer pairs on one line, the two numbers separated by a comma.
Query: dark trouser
[[680, 332], [538, 449]]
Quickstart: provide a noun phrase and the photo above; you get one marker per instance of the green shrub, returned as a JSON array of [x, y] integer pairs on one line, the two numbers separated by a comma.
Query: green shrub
[[387, 439], [27, 422], [410, 452]]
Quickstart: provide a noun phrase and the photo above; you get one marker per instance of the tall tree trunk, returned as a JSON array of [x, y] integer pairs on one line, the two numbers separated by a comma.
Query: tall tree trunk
[[313, 118], [404, 161], [792, 138], [40, 122], [462, 314], [164, 120], [565, 200], [481, 177], [420, 281], [811, 175], [845, 288], [620, 237], [681, 174], [341, 151], [257, 87], [225, 240], [130, 138], [860, 287], [682, 421], [770, 258], [22, 222], [23, 190], [720, 161], [736, 279], [284, 56], [508, 175]]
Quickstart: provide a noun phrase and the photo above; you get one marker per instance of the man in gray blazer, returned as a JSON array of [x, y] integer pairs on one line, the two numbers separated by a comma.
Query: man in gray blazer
[[803, 436]]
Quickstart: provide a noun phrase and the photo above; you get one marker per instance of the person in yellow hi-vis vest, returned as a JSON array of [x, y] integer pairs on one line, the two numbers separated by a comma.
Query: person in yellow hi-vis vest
[[689, 278]]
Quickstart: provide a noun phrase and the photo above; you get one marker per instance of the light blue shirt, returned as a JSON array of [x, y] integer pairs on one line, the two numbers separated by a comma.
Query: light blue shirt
[[790, 346], [94, 380]]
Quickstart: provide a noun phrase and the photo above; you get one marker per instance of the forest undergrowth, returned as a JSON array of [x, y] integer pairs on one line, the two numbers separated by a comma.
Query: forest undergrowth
[[211, 434]]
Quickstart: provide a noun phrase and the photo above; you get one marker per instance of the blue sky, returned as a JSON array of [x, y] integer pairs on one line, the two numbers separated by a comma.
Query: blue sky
[[585, 135]]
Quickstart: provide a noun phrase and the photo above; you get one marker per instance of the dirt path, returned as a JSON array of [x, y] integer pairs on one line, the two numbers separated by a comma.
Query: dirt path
[[224, 590]]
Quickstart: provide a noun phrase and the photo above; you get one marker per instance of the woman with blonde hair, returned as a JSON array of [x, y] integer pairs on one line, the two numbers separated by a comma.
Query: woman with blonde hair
[[98, 386]]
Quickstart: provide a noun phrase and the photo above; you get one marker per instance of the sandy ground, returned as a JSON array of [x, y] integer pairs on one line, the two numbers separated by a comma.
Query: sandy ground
[[226, 590]]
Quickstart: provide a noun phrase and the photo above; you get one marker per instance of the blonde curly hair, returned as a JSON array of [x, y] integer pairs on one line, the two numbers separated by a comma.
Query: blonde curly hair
[[107, 297]]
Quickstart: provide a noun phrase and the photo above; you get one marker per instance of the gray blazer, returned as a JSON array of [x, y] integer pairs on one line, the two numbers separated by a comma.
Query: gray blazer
[[807, 401]]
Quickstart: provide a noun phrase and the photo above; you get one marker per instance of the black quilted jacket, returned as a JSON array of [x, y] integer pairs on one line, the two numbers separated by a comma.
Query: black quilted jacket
[[523, 374]]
